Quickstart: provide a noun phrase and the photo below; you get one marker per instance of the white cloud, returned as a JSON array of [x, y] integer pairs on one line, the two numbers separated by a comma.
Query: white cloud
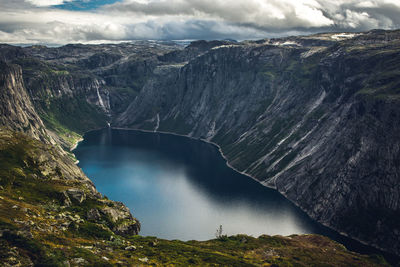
[[41, 3], [36, 21], [260, 13]]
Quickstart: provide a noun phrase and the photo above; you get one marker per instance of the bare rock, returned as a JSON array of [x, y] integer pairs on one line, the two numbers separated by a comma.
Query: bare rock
[[93, 215], [65, 199], [129, 227], [130, 248], [78, 261], [76, 194]]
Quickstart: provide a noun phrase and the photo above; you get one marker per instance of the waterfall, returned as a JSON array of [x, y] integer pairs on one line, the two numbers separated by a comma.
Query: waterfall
[[100, 100]]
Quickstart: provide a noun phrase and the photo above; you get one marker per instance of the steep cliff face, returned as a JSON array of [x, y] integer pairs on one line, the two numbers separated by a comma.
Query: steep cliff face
[[315, 117], [16, 110]]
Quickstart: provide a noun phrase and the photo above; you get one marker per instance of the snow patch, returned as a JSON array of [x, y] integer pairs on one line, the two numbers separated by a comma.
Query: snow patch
[[223, 46], [343, 36], [286, 43]]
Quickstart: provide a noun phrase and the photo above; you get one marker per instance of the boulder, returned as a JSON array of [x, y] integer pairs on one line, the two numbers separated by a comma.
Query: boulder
[[128, 227], [76, 194], [93, 215], [65, 199], [130, 248]]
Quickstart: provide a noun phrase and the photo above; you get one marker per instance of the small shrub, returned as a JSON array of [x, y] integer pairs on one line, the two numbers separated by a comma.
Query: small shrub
[[219, 234]]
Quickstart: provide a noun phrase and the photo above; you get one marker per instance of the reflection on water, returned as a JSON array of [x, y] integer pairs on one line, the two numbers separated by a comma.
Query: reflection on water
[[182, 189]]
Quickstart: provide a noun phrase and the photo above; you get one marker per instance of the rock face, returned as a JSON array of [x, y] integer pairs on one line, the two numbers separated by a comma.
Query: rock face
[[16, 110], [314, 117], [76, 194]]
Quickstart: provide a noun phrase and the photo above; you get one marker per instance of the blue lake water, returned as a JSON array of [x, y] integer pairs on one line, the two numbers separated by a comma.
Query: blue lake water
[[181, 188]]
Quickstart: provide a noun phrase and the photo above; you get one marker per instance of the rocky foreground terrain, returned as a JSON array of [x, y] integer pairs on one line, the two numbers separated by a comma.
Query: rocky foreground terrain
[[316, 117]]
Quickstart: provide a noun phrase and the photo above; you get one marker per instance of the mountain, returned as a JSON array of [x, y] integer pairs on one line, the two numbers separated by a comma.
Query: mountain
[[316, 117]]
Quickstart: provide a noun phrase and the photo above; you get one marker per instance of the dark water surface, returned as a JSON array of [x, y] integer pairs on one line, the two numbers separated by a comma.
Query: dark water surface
[[180, 188]]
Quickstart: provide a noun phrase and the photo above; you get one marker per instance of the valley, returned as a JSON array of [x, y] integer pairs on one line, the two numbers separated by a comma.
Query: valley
[[314, 117]]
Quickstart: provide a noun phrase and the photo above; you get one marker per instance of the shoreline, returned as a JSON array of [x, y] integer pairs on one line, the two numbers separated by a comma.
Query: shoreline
[[324, 224], [76, 143], [243, 173]]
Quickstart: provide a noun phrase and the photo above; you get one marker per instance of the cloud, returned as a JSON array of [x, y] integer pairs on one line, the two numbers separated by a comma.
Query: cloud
[[43, 21], [41, 3], [277, 14], [360, 16]]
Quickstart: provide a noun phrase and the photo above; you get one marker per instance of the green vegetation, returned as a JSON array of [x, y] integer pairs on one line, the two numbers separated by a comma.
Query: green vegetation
[[60, 72], [380, 64], [72, 114]]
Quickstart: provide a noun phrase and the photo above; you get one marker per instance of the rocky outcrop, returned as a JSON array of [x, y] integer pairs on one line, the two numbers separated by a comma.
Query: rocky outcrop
[[314, 117], [125, 223], [76, 194]]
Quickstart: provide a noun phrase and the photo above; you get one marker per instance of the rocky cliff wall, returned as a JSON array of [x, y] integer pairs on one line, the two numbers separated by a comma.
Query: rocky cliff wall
[[16, 110], [317, 120]]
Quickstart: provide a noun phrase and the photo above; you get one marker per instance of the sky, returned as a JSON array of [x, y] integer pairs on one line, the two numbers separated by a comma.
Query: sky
[[58, 22]]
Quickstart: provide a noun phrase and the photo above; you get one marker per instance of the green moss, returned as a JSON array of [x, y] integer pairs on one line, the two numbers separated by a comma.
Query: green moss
[[68, 114], [60, 72], [94, 230], [40, 254], [90, 258]]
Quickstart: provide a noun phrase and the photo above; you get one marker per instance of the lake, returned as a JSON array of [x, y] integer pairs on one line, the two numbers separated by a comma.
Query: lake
[[181, 188]]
